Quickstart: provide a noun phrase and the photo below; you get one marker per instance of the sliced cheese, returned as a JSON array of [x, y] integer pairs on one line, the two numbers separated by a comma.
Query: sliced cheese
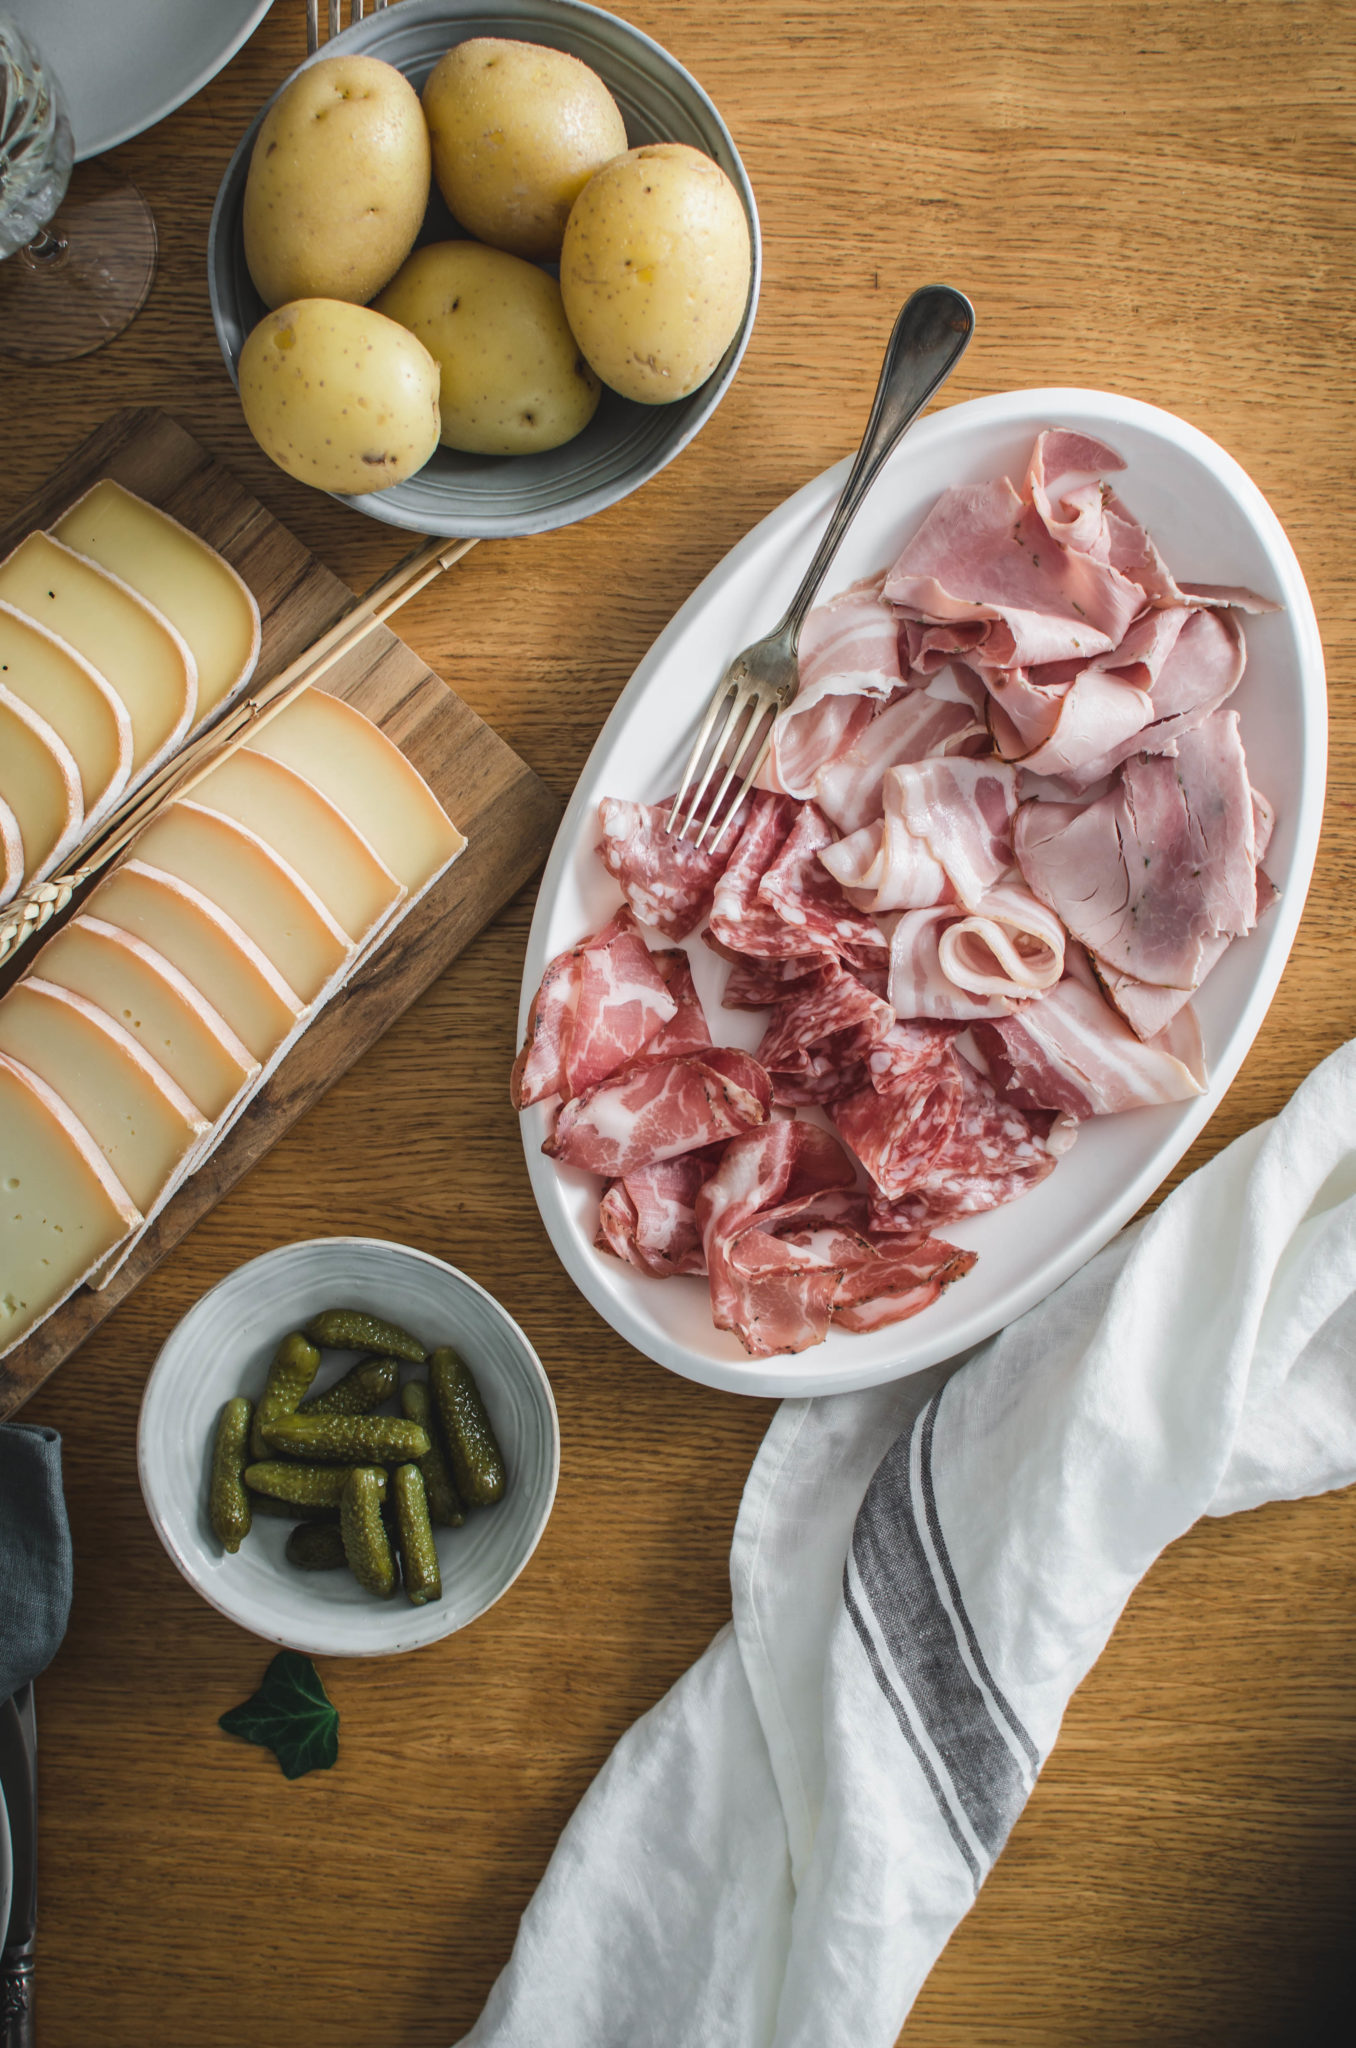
[[289, 814], [234, 869], [140, 1119], [352, 762], [11, 853], [209, 950], [180, 575], [62, 1208], [40, 783], [62, 687], [131, 644], [148, 996]]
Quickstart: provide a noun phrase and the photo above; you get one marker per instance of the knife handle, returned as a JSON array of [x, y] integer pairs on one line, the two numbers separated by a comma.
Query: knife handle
[[16, 2002]]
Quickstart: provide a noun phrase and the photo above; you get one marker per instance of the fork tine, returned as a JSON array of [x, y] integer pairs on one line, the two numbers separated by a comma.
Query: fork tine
[[694, 757], [756, 708], [764, 750], [722, 740], [335, 23], [312, 27]]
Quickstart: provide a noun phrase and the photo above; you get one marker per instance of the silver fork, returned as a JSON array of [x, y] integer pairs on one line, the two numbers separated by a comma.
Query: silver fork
[[336, 9], [929, 338]]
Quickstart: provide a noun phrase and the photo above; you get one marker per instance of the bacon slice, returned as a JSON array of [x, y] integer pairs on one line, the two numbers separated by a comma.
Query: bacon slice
[[598, 1004], [849, 662], [655, 1109], [914, 727], [667, 881], [994, 1152], [1072, 1054]]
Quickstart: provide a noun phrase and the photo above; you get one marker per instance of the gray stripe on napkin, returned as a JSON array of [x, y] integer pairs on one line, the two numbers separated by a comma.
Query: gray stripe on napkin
[[897, 1580], [953, 1587], [901, 1714]]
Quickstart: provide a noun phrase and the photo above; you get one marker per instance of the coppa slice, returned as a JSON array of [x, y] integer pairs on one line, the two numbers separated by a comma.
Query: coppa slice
[[64, 1209], [142, 1122], [149, 997], [130, 643], [40, 784], [234, 869], [200, 595], [354, 764], [289, 814], [208, 948], [78, 704]]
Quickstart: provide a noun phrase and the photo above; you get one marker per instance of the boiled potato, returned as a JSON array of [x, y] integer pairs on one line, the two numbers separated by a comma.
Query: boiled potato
[[513, 380], [337, 184], [338, 396], [518, 130], [655, 270]]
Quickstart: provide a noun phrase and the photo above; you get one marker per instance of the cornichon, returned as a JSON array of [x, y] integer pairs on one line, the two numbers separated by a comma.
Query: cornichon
[[295, 1365], [228, 1502], [418, 1551], [307, 1486], [474, 1454], [363, 1387], [352, 1329], [292, 1510], [316, 1547], [349, 1439], [365, 1541], [444, 1502]]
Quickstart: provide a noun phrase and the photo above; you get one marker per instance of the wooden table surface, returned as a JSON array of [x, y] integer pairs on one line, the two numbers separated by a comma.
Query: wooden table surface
[[1152, 198]]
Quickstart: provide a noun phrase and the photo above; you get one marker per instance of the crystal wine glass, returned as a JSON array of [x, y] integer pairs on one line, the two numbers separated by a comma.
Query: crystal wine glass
[[77, 246]]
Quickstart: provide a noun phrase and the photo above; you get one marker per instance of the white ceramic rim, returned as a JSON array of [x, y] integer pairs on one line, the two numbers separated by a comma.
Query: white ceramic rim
[[1097, 412], [147, 117], [320, 1644]]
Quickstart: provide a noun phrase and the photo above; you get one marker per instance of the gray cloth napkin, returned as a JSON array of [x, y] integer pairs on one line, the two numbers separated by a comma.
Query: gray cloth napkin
[[35, 1553]]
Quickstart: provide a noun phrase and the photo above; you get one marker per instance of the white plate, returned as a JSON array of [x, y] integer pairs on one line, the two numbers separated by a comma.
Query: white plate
[[1211, 522], [223, 1347], [124, 64]]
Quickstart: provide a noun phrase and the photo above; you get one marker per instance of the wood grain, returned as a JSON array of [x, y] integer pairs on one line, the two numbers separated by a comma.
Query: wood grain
[[1149, 198]]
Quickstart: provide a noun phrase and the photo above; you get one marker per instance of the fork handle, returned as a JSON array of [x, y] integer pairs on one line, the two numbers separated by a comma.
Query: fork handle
[[930, 336]]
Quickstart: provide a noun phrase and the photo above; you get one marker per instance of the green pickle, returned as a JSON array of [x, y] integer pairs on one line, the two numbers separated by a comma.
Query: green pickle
[[228, 1502], [418, 1551], [306, 1486], [292, 1510], [476, 1459], [295, 1365], [349, 1439], [444, 1502], [316, 1547], [366, 1545], [363, 1387], [352, 1329]]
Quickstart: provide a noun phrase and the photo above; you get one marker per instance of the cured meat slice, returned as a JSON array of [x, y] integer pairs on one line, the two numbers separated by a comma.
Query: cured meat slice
[[648, 1218], [655, 1109], [818, 1010], [754, 984], [597, 1005], [687, 1030], [898, 1135], [919, 984], [849, 662], [739, 920], [667, 881], [914, 727], [962, 810], [1072, 1054], [898, 1283], [805, 896], [1008, 945], [774, 1298], [1200, 670], [994, 1152]]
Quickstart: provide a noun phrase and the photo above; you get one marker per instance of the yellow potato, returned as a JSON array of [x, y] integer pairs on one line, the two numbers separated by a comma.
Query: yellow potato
[[518, 130], [338, 183], [338, 396], [513, 380], [655, 270]]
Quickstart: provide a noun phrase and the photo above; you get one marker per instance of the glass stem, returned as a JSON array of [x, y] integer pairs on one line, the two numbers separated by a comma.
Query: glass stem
[[45, 248]]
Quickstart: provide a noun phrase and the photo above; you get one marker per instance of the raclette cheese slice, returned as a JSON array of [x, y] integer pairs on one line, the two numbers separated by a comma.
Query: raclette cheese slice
[[210, 951], [140, 1119], [148, 996], [62, 687], [40, 784], [352, 762], [233, 868], [199, 593], [11, 853], [289, 814], [62, 1208], [133, 646]]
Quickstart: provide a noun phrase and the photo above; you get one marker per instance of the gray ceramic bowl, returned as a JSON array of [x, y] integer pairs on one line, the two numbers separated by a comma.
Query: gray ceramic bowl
[[624, 444]]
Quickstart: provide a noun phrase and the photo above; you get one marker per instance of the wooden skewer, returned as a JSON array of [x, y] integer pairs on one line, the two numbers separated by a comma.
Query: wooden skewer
[[38, 905]]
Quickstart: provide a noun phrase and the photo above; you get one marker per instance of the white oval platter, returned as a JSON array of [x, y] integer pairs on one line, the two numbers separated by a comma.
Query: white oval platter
[[1212, 523]]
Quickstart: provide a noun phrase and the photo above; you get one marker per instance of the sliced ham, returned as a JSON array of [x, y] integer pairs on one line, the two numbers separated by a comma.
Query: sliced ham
[[648, 1218], [667, 881], [914, 727], [655, 1109], [1202, 667], [1072, 1054], [994, 1152]]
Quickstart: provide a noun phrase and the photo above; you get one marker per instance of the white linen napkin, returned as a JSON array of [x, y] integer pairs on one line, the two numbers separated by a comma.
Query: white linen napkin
[[777, 1853]]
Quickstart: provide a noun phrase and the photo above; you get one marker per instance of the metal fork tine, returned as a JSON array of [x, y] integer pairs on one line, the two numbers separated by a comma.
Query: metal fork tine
[[335, 23], [756, 708], [744, 788], [355, 11], [312, 27], [723, 739], [694, 758]]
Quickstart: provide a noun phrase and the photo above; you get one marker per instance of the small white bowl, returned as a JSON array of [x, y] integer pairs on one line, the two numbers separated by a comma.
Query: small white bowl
[[223, 1347]]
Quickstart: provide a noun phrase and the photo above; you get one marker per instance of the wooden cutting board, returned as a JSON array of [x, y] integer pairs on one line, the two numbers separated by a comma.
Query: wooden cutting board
[[508, 816]]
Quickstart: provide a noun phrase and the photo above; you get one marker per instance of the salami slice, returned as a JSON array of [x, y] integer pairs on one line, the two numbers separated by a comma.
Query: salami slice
[[898, 1136], [667, 881], [756, 984], [655, 1109], [805, 896], [994, 1152], [739, 919]]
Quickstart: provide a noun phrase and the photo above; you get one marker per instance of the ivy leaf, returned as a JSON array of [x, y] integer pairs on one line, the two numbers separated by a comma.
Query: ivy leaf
[[291, 1714]]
